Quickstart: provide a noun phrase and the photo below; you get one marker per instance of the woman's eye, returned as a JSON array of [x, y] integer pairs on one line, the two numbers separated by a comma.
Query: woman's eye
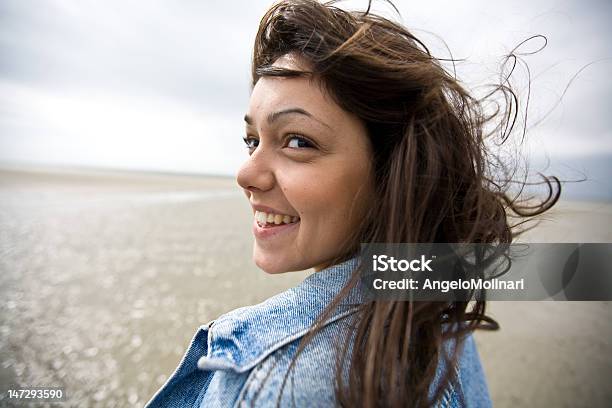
[[296, 142], [250, 142]]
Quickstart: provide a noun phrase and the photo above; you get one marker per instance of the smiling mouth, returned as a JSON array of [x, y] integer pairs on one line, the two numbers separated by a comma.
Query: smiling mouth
[[271, 220]]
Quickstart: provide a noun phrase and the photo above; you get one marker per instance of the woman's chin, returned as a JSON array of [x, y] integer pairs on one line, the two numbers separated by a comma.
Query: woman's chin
[[274, 263], [269, 263]]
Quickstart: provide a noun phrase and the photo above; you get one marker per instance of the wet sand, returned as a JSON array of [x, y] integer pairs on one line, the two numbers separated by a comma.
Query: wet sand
[[553, 354], [105, 277]]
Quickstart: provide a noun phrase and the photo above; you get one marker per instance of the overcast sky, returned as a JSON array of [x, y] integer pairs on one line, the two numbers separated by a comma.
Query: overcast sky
[[163, 85]]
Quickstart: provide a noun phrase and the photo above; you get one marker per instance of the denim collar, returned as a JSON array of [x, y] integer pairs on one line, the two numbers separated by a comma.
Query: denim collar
[[242, 338]]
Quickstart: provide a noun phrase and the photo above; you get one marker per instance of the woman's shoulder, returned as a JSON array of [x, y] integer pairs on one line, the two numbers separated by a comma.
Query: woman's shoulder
[[295, 377], [309, 379], [254, 346], [244, 337]]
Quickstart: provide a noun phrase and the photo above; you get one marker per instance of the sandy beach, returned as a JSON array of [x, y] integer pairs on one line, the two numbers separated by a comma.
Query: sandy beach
[[105, 277]]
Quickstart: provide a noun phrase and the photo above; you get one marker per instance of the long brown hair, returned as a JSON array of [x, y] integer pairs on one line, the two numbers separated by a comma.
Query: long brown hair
[[434, 178]]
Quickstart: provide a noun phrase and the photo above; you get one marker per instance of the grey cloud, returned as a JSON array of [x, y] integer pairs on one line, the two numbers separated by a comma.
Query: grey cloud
[[197, 53], [189, 52]]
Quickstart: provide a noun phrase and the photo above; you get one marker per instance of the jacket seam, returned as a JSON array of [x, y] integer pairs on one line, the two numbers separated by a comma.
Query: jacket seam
[[450, 390], [250, 382]]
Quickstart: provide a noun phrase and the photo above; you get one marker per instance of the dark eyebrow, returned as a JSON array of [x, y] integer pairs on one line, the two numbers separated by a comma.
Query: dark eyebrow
[[275, 115]]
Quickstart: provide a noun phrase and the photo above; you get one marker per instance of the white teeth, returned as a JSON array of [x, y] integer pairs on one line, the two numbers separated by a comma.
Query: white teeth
[[276, 219], [263, 217]]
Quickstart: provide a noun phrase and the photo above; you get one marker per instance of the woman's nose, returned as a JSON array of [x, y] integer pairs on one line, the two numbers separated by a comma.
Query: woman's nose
[[256, 174]]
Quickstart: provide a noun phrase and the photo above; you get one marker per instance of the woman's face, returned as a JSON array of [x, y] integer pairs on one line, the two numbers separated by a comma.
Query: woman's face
[[308, 175]]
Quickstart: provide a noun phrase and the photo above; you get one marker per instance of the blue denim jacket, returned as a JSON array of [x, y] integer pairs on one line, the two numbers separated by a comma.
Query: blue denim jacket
[[241, 358]]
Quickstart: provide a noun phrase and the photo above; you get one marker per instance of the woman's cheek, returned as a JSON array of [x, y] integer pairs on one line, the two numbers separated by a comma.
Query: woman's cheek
[[303, 189]]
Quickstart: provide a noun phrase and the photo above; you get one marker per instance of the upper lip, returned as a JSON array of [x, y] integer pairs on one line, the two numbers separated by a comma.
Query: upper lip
[[268, 210]]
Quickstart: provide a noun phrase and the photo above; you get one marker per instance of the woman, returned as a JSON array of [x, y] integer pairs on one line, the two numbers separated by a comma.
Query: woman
[[355, 133]]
